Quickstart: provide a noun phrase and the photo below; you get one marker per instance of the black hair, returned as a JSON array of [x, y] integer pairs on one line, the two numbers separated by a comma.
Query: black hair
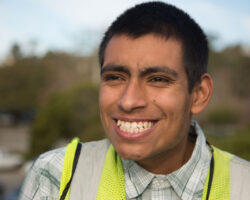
[[166, 21]]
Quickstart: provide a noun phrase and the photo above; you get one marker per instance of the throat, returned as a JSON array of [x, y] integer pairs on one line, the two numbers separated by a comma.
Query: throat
[[170, 161]]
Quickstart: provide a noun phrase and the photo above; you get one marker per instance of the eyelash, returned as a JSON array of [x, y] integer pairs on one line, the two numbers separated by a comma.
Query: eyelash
[[111, 77], [159, 79]]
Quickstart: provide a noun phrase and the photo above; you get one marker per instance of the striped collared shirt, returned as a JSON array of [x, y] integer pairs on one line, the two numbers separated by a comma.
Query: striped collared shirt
[[185, 183], [43, 179]]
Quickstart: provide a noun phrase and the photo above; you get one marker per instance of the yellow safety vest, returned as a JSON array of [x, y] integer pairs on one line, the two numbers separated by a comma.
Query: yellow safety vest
[[112, 178]]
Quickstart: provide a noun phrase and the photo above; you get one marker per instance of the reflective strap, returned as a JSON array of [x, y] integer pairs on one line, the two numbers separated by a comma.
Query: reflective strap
[[211, 175], [112, 179], [69, 165], [220, 188]]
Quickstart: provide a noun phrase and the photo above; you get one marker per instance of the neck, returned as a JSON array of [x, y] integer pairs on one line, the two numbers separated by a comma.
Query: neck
[[171, 160]]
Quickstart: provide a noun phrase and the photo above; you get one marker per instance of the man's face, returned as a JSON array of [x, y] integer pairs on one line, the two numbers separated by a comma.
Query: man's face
[[144, 100]]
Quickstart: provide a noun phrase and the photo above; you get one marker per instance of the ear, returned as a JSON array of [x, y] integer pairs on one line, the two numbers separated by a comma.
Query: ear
[[202, 93]]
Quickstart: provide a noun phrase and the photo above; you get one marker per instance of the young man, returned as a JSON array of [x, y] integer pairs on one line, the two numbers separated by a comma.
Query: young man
[[154, 77]]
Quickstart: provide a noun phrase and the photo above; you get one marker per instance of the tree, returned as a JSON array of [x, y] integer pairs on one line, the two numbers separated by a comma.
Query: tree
[[16, 52], [68, 114]]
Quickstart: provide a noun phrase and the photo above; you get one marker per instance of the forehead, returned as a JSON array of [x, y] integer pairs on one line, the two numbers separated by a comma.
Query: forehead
[[144, 51]]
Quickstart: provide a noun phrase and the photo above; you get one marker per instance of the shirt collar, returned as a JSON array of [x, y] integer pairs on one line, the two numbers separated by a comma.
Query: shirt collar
[[137, 179], [184, 181]]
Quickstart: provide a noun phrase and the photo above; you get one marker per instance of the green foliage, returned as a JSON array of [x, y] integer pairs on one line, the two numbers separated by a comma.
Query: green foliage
[[67, 114], [222, 115], [27, 82], [21, 85], [16, 52], [237, 64], [237, 143], [241, 80]]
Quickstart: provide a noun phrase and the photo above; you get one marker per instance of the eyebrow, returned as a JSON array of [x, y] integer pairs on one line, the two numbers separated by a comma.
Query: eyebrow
[[156, 69], [144, 72], [114, 68]]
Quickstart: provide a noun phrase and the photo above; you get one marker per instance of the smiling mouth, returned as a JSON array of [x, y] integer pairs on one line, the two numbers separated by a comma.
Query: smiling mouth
[[132, 127]]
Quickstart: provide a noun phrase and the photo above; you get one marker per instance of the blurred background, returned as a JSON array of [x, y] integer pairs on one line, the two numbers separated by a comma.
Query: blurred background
[[49, 76]]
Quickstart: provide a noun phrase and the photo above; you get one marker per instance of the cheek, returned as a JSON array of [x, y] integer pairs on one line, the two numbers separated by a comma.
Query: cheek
[[103, 104], [167, 99], [172, 103], [106, 97]]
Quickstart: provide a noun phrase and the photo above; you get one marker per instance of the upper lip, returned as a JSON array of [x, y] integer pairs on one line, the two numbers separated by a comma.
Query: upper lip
[[134, 119]]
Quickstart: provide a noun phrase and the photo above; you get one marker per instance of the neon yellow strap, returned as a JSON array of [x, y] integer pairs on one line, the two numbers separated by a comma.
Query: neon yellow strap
[[220, 189], [67, 166], [112, 179], [111, 185]]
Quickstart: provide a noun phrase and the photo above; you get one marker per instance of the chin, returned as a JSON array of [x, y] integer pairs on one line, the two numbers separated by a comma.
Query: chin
[[131, 154], [131, 157]]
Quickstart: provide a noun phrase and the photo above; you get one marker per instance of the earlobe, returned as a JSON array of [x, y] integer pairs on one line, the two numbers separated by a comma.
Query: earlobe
[[202, 93]]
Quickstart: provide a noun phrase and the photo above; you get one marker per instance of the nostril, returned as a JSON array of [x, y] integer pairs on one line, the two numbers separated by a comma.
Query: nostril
[[131, 101]]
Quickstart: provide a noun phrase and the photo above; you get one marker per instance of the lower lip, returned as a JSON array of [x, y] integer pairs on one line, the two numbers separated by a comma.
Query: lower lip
[[132, 136]]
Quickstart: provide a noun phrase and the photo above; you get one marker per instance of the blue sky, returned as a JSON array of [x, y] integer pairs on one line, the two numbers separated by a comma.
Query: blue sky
[[77, 25]]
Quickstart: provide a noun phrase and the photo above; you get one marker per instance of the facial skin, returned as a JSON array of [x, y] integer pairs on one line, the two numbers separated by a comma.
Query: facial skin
[[145, 105]]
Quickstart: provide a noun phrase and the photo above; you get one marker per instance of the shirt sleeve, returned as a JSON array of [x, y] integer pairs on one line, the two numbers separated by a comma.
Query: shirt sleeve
[[43, 178]]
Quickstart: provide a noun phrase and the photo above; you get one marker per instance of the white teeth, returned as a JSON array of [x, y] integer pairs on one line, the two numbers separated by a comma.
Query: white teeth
[[134, 127], [150, 124], [139, 125], [134, 124], [122, 128], [118, 123], [130, 130], [141, 129]]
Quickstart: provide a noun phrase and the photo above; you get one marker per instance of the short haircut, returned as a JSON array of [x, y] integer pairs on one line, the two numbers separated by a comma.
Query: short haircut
[[166, 21]]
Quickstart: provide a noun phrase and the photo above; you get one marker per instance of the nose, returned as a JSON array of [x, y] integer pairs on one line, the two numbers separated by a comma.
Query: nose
[[133, 97]]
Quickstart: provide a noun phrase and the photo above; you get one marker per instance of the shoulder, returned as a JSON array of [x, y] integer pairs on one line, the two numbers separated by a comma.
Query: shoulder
[[239, 178], [89, 169], [53, 158], [236, 162], [49, 164], [239, 174], [43, 178], [96, 146], [239, 161], [52, 161], [240, 166]]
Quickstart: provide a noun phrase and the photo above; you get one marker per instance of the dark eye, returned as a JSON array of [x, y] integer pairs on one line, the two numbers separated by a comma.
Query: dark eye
[[159, 79], [112, 78]]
